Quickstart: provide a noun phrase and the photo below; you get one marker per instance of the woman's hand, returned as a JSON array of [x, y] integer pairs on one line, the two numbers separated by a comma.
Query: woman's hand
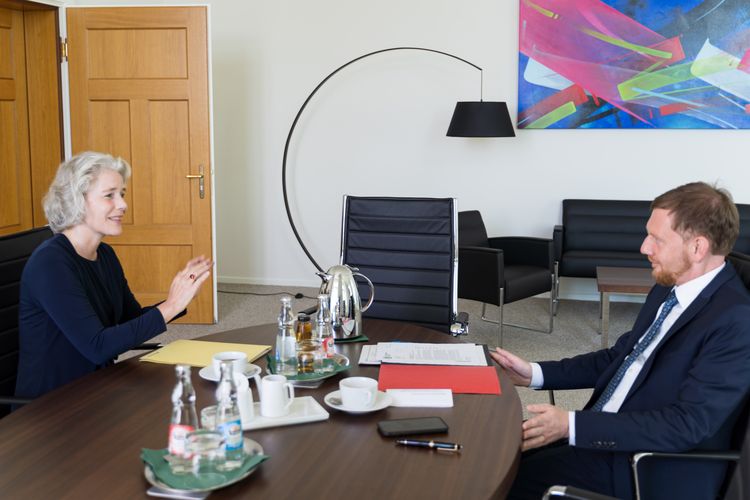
[[185, 286]]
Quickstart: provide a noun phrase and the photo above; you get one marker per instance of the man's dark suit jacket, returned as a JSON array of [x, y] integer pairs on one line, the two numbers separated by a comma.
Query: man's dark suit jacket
[[688, 394]]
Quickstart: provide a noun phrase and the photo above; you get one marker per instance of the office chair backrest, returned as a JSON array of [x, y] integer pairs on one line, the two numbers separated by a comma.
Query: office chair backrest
[[471, 230], [408, 248], [15, 250], [743, 240], [741, 263]]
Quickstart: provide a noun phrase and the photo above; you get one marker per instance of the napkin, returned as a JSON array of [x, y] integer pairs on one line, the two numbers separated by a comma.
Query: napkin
[[155, 459], [358, 338], [421, 398]]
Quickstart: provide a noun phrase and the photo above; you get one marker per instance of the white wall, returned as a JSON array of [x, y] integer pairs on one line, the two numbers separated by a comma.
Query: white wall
[[378, 128]]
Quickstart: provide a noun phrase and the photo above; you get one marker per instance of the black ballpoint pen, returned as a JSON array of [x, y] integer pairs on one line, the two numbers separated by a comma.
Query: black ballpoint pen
[[438, 445]]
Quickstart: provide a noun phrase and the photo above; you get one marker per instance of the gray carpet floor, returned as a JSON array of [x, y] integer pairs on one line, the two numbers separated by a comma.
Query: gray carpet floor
[[575, 331]]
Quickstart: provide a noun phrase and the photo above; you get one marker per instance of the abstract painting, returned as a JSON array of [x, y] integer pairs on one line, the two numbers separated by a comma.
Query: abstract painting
[[634, 64]]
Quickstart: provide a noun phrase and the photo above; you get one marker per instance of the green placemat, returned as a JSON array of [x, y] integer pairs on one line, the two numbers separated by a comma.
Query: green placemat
[[358, 338], [155, 459], [302, 377]]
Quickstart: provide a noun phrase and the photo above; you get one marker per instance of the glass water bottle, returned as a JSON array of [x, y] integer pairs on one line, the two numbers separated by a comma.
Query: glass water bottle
[[324, 331], [228, 420], [184, 420], [286, 340]]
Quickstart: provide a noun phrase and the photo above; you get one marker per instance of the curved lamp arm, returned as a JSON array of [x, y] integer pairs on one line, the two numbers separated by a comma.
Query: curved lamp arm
[[304, 105]]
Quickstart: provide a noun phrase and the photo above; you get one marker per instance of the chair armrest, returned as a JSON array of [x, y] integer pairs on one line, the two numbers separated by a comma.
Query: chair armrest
[[12, 400], [480, 274], [573, 493], [525, 250], [557, 242], [640, 458], [148, 346], [727, 456]]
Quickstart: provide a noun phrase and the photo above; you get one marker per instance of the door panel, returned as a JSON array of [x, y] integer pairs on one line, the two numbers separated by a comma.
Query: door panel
[[139, 90], [15, 168]]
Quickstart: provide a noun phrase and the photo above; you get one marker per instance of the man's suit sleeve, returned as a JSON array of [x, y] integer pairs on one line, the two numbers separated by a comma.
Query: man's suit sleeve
[[582, 371]]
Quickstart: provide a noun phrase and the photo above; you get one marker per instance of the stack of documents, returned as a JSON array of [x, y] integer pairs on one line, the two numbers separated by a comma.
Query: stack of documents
[[416, 353], [462, 368]]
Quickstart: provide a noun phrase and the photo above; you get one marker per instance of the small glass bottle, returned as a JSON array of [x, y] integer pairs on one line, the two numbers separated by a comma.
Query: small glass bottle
[[286, 340], [324, 331], [228, 420], [184, 420], [304, 328]]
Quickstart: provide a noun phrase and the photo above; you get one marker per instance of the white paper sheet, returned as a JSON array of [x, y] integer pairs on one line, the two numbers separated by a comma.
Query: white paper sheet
[[417, 353]]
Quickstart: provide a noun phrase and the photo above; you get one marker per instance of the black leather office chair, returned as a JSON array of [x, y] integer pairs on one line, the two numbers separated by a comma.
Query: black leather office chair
[[407, 248], [647, 466], [15, 250], [502, 270]]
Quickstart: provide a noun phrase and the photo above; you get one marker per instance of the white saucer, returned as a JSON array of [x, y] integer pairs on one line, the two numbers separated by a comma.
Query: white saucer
[[382, 400], [207, 372]]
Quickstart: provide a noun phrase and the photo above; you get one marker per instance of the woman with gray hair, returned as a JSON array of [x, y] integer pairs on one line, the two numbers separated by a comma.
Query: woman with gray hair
[[76, 312]]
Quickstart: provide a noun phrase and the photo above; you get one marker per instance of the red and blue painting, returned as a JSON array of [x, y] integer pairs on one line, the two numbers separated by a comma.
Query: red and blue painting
[[634, 64]]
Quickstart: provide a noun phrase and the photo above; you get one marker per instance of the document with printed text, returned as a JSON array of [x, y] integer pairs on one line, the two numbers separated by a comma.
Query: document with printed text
[[416, 353]]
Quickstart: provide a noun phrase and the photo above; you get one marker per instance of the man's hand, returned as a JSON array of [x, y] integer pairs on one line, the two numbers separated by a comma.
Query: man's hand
[[548, 425], [519, 370]]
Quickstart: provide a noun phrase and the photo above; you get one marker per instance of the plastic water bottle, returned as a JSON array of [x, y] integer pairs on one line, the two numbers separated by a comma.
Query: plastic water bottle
[[286, 340], [324, 330], [184, 420], [228, 419]]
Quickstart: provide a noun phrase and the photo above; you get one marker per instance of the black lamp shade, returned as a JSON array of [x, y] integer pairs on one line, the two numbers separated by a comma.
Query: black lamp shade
[[481, 119]]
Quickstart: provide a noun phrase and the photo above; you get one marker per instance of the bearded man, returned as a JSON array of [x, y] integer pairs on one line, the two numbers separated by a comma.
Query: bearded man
[[676, 382]]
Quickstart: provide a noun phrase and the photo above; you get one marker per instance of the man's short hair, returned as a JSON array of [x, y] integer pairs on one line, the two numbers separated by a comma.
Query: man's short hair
[[65, 202], [699, 209]]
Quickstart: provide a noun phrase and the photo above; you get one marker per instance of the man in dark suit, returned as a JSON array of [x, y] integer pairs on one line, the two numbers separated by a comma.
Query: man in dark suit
[[675, 382]]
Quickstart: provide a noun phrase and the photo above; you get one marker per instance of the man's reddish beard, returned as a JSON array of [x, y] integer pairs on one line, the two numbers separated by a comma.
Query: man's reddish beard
[[666, 277]]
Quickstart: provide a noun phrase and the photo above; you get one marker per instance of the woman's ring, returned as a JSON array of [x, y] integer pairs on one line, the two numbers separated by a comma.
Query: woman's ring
[[192, 277]]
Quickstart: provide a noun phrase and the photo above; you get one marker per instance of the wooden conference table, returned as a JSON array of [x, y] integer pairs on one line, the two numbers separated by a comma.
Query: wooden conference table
[[84, 439]]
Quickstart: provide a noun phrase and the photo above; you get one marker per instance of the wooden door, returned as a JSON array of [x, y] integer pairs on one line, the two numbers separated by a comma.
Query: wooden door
[[15, 171], [139, 90]]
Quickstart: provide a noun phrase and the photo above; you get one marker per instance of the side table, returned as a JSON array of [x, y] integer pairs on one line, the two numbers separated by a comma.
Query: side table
[[632, 280]]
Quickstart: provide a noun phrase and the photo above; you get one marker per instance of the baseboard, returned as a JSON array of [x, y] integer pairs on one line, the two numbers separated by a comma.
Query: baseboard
[[570, 288], [242, 280]]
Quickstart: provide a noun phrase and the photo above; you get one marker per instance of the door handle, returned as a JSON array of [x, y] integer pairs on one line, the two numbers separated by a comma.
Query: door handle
[[201, 181]]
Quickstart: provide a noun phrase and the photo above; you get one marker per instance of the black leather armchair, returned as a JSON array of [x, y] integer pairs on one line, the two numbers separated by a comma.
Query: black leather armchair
[[15, 250], [502, 270]]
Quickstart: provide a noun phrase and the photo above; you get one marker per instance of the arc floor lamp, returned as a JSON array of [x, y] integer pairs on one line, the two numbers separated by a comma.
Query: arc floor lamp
[[470, 119]]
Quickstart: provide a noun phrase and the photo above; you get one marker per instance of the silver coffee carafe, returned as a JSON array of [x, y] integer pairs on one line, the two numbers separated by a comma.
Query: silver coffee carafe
[[346, 306]]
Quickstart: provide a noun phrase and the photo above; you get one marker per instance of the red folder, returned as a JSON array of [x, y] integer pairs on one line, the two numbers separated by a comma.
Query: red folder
[[459, 379]]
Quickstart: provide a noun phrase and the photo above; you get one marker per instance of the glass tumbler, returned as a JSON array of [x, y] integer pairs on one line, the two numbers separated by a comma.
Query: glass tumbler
[[207, 455], [208, 418]]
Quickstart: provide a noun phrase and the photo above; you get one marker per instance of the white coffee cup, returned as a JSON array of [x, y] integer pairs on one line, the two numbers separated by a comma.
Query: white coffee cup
[[358, 393], [276, 396], [238, 359]]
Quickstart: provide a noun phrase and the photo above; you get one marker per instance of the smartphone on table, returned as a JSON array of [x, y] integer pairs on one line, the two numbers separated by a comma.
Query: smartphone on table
[[412, 426]]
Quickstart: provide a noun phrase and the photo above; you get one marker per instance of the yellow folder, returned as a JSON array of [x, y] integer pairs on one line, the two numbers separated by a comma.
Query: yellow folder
[[200, 352]]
